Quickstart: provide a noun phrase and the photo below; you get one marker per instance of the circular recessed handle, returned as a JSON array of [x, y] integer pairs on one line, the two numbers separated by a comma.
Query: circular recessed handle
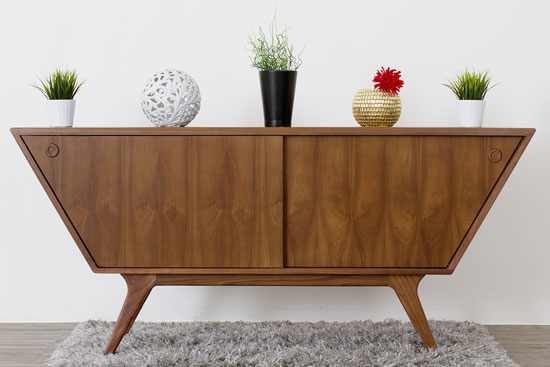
[[495, 155], [52, 150]]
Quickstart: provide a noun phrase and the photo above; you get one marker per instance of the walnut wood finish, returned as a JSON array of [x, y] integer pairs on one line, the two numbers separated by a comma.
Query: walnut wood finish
[[272, 206], [524, 134], [385, 201], [188, 201], [406, 288], [139, 287], [274, 280], [274, 131]]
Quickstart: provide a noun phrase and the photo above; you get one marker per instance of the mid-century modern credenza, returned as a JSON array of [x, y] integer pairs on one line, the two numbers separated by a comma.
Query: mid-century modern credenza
[[272, 206]]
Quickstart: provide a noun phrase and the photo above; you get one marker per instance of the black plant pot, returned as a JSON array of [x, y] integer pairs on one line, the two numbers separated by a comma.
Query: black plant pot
[[278, 89]]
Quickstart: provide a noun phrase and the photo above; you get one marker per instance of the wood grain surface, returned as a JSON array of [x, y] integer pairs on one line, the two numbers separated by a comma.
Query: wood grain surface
[[274, 280], [275, 131], [406, 288], [148, 204], [139, 287], [184, 201], [249, 206], [391, 201]]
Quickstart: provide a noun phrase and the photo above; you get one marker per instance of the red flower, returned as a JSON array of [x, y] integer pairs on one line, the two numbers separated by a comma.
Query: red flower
[[388, 80]]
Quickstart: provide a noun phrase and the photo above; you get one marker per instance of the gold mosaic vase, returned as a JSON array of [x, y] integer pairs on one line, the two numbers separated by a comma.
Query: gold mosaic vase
[[376, 108]]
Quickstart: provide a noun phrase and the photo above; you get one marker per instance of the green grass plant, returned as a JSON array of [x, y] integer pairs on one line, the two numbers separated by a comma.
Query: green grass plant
[[60, 84], [272, 51], [470, 85]]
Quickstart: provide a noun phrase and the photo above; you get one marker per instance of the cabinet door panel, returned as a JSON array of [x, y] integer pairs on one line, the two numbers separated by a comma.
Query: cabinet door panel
[[170, 201], [385, 201]]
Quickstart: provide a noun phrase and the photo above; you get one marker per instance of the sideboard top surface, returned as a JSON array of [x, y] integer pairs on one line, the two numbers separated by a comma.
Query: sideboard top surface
[[277, 131]]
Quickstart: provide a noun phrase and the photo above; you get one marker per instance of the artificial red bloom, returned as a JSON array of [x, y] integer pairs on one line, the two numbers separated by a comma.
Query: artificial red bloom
[[388, 80]]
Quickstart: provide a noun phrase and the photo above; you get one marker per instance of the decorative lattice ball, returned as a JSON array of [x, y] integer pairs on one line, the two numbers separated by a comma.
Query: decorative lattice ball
[[171, 98]]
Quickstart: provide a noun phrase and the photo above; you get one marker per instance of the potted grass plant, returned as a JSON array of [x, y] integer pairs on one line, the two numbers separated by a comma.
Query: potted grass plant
[[275, 58], [60, 88], [470, 88]]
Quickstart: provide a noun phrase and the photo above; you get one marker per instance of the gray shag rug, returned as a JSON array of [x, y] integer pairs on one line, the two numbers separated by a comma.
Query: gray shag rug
[[282, 344]]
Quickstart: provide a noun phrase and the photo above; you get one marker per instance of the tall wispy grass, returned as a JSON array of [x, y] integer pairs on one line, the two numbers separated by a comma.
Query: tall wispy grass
[[272, 51]]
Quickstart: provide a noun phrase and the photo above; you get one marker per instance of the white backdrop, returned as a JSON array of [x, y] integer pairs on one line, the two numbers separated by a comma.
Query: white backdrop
[[116, 45]]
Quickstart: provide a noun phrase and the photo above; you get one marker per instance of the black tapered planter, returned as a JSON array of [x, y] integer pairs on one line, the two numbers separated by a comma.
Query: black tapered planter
[[278, 89]]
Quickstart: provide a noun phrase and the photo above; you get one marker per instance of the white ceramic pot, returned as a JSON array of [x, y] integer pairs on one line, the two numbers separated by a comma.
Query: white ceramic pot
[[470, 113], [60, 112]]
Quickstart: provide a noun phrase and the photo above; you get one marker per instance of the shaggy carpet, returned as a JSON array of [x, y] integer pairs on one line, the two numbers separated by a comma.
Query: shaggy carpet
[[282, 344]]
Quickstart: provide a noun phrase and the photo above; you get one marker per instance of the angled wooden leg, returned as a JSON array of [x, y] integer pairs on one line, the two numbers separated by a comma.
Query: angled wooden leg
[[139, 287], [406, 288]]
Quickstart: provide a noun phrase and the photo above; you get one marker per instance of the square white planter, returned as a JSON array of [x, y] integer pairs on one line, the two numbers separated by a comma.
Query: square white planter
[[470, 113], [60, 112]]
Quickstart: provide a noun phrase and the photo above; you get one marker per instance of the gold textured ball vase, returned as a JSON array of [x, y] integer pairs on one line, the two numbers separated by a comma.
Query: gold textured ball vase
[[376, 108]]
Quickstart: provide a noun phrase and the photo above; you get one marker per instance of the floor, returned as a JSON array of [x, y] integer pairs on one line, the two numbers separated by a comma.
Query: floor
[[31, 344], [527, 345]]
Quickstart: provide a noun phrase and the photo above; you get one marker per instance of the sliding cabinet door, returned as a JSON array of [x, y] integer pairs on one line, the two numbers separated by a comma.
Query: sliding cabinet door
[[385, 201], [169, 201]]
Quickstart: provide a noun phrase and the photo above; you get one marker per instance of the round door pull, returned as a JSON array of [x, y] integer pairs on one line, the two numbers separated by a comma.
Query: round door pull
[[495, 155], [52, 150]]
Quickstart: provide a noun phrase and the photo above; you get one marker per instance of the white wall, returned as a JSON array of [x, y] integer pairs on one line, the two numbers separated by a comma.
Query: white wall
[[116, 45]]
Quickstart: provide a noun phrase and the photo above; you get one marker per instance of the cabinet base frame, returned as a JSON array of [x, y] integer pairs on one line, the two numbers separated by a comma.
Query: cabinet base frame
[[140, 285]]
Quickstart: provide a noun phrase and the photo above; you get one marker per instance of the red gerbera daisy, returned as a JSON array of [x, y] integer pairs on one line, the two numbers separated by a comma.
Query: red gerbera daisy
[[388, 80]]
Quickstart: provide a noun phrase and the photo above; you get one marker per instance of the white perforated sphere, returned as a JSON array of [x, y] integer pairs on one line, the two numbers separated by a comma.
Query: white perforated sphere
[[171, 98]]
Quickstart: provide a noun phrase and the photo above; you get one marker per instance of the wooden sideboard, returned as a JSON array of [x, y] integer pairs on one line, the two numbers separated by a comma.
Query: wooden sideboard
[[272, 206]]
